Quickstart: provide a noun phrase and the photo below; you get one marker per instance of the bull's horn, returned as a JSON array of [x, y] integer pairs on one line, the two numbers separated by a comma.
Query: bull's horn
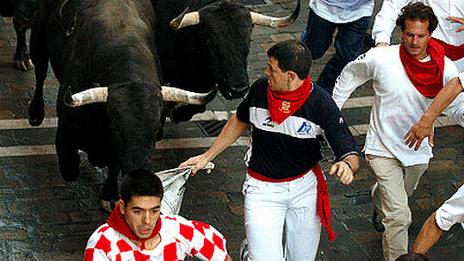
[[93, 95], [185, 19], [172, 94], [274, 22], [100, 94]]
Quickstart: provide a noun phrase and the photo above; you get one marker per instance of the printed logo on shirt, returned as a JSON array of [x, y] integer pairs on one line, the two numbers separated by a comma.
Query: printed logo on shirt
[[341, 120], [305, 127], [268, 122]]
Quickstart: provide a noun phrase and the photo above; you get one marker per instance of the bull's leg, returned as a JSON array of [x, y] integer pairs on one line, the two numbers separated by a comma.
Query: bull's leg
[[68, 156], [22, 58], [110, 188], [39, 56]]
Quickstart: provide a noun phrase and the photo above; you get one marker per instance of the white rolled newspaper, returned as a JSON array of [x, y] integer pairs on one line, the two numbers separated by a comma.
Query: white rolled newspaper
[[174, 181]]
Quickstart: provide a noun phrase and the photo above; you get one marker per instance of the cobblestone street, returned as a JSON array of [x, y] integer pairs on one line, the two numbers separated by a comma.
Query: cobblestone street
[[42, 217]]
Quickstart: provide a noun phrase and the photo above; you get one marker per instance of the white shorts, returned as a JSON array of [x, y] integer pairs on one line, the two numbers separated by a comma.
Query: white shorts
[[452, 211]]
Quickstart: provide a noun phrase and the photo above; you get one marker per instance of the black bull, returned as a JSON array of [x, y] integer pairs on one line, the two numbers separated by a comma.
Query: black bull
[[22, 13], [111, 43]]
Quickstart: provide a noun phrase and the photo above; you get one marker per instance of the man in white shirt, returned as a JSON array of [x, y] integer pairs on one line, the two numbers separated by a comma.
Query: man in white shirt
[[406, 78], [351, 18], [443, 9]]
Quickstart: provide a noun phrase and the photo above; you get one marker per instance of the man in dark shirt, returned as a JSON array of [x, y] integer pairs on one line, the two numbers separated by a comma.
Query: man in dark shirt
[[285, 186]]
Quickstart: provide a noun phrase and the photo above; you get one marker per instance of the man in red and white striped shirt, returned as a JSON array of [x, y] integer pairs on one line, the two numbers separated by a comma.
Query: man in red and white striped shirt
[[137, 231]]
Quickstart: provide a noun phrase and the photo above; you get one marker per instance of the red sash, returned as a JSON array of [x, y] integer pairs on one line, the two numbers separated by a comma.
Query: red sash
[[117, 221], [427, 77], [323, 197], [452, 51], [283, 104]]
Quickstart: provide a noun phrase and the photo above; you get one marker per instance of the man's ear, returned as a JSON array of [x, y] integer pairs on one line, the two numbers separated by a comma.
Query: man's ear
[[122, 206], [292, 76]]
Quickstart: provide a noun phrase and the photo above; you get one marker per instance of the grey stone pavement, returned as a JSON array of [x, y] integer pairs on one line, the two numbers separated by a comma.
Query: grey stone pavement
[[44, 218]]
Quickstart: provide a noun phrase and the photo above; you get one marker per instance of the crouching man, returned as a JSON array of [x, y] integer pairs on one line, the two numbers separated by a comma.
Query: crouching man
[[136, 230]]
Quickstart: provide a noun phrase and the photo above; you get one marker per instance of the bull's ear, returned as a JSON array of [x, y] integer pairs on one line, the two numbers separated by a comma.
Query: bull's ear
[[185, 19]]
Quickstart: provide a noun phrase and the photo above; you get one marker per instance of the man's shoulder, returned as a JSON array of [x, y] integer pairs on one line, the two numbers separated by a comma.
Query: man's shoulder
[[318, 96], [103, 233]]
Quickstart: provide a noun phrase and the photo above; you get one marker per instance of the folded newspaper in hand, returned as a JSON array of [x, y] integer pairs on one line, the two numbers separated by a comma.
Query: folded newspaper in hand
[[174, 187]]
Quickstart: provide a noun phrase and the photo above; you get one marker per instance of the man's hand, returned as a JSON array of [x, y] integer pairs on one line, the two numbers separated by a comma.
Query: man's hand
[[197, 163], [414, 137], [455, 19], [342, 170]]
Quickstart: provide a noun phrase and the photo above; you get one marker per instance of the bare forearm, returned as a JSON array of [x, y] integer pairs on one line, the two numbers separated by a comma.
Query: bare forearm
[[229, 134], [428, 236], [442, 100]]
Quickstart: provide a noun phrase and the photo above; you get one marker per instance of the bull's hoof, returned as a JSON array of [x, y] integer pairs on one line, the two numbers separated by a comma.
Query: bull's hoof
[[24, 64], [36, 113], [107, 205]]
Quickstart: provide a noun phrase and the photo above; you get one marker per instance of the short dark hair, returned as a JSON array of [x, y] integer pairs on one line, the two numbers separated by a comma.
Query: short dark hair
[[417, 11], [140, 182], [292, 55], [412, 257]]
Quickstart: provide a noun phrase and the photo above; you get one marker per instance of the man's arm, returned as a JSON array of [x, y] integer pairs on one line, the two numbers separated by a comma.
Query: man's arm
[[428, 236], [229, 134], [385, 21], [352, 76], [455, 19], [424, 127]]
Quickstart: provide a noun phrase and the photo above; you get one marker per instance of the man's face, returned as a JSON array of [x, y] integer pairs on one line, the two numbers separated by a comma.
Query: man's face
[[415, 37], [141, 214], [277, 79]]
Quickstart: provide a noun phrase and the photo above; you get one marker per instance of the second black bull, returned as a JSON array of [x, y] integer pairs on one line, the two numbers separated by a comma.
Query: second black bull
[[111, 58]]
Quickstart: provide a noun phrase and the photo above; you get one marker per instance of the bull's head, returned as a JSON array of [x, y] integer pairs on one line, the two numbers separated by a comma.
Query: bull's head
[[135, 115], [227, 27]]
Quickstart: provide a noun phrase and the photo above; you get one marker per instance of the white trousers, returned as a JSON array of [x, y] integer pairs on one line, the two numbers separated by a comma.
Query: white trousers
[[271, 209]]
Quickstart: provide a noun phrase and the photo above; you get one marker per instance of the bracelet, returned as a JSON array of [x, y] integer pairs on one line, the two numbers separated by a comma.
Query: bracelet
[[349, 164]]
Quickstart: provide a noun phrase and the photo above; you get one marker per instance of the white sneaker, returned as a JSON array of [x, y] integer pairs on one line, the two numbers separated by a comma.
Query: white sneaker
[[243, 255]]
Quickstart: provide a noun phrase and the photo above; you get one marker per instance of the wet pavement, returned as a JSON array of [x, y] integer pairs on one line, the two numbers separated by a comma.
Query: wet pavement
[[44, 218]]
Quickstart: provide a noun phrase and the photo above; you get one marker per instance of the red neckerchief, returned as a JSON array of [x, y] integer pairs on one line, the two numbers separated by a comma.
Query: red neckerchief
[[117, 221], [323, 198], [427, 77], [283, 104], [452, 51]]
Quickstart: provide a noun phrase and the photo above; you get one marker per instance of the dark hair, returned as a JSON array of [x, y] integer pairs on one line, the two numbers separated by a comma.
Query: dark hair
[[140, 182], [418, 11], [292, 55], [412, 257]]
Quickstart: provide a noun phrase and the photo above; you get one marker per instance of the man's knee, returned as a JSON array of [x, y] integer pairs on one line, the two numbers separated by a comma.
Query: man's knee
[[401, 217]]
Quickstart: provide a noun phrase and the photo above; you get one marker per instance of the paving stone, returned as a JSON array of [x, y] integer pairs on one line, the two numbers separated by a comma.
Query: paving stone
[[282, 37], [12, 233]]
